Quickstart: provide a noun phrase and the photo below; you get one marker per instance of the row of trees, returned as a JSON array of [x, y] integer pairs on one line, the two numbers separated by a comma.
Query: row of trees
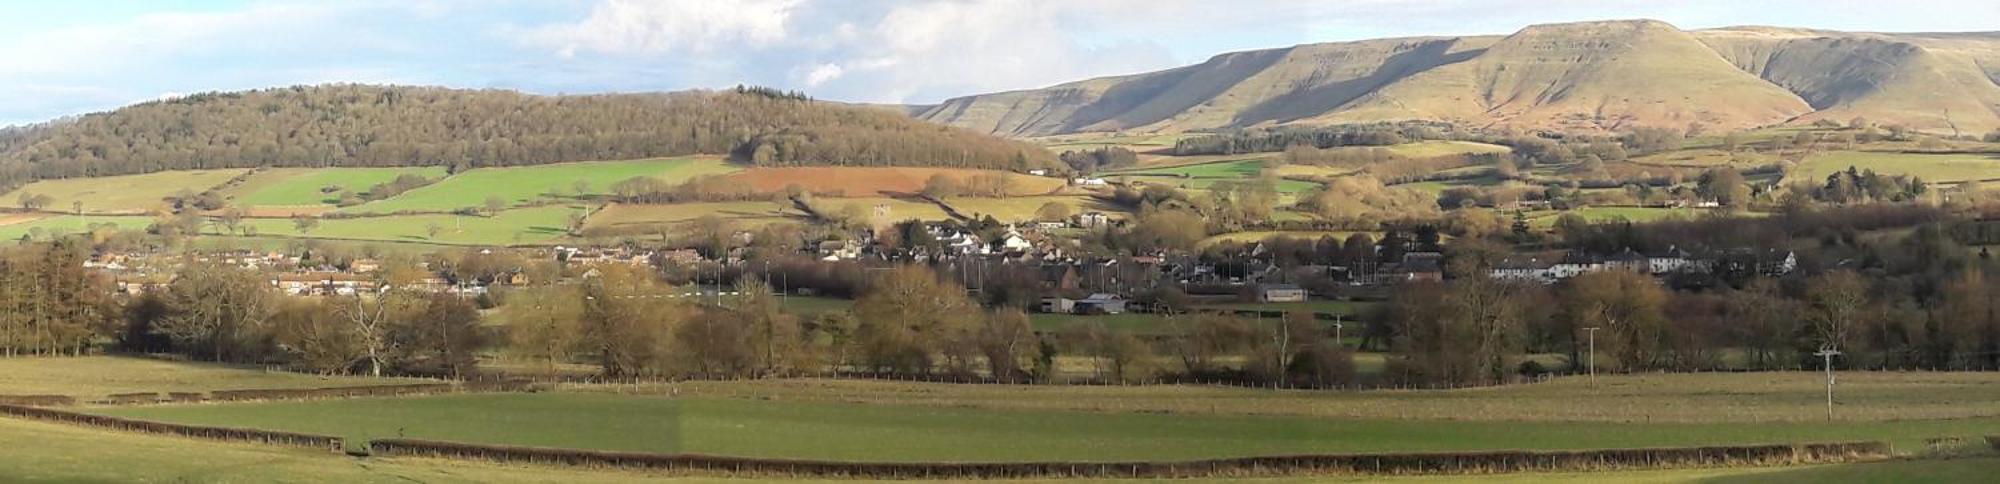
[[1272, 140]]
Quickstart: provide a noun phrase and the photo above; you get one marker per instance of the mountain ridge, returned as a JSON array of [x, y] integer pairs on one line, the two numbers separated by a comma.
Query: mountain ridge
[[1599, 75]]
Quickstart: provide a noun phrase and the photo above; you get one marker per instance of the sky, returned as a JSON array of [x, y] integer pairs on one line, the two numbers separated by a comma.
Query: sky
[[61, 58]]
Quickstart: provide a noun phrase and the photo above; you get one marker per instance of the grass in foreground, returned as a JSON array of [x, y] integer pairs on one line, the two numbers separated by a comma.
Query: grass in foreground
[[1694, 398], [862, 432], [49, 452], [97, 376]]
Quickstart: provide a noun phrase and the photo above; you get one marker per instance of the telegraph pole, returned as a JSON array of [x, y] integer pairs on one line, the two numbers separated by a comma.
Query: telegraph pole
[[1826, 353], [1593, 353]]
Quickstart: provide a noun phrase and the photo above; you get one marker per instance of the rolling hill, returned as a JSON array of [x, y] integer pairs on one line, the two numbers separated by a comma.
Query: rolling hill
[[1576, 76], [398, 126]]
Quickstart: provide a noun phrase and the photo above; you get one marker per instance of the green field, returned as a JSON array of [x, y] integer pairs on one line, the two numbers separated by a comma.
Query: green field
[[1259, 235], [1635, 214], [1931, 167], [899, 209], [1125, 322], [291, 187], [842, 431], [643, 216], [47, 452], [71, 224], [518, 185], [1022, 209], [97, 376], [518, 226], [122, 194], [1329, 307]]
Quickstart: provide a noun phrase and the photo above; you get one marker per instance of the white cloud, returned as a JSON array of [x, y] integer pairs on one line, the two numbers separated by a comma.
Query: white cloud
[[641, 27], [822, 73]]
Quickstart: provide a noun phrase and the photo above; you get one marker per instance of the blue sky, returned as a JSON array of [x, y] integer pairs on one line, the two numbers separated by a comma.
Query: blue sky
[[61, 58]]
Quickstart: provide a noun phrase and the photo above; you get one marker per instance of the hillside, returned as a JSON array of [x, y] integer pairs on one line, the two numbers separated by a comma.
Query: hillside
[[382, 126], [1577, 76]]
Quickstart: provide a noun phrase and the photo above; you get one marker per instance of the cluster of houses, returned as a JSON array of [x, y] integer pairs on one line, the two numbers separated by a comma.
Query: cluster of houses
[[1673, 260]]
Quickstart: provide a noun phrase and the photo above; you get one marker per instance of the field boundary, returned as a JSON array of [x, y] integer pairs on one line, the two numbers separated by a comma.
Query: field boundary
[[1364, 464], [270, 437]]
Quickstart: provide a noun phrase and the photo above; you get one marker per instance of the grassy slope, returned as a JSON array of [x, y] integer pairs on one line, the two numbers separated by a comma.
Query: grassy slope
[[523, 184], [1021, 209], [517, 226], [123, 194], [1932, 168], [67, 224], [97, 376], [642, 215], [302, 186]]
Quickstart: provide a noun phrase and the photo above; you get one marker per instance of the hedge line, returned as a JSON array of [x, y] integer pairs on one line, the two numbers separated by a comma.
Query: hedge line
[[333, 392], [1415, 463], [215, 433], [37, 400]]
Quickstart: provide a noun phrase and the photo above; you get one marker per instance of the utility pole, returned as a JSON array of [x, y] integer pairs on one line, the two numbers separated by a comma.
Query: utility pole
[[1336, 332], [1826, 353], [1593, 353]]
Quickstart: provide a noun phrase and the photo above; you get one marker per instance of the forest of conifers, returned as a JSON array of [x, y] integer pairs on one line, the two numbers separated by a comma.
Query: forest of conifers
[[360, 125]]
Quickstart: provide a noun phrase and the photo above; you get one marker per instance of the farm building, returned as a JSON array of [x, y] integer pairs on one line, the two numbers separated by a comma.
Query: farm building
[[1101, 303], [1272, 293]]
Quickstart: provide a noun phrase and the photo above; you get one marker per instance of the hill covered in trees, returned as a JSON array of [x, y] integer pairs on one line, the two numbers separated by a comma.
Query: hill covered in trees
[[1574, 76], [360, 125]]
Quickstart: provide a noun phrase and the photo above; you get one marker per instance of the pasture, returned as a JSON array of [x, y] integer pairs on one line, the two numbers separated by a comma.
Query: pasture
[[71, 224], [1635, 214], [129, 194], [1022, 209], [97, 376], [872, 181], [524, 184], [1934, 168], [39, 451], [621, 216], [1204, 175], [51, 452], [929, 433], [1252, 236], [898, 209], [1916, 398], [294, 187], [518, 226]]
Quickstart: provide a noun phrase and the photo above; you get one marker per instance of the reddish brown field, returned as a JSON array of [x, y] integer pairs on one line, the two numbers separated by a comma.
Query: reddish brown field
[[877, 181]]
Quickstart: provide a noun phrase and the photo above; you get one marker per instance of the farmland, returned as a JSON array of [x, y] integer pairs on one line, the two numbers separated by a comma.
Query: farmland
[[97, 376], [517, 226], [123, 194], [70, 224], [292, 187], [1259, 235], [1021, 209], [40, 451], [899, 209], [855, 181], [858, 432], [619, 216], [524, 184], [1202, 176], [1931, 167]]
